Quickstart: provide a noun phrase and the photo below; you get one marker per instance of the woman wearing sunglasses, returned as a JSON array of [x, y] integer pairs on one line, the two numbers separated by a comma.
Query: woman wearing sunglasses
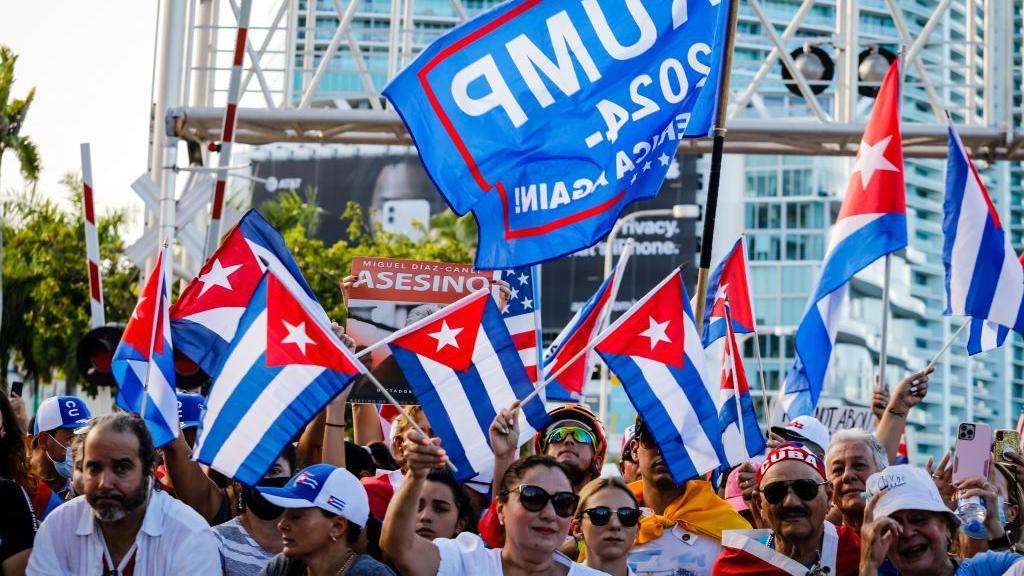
[[535, 505], [795, 498], [607, 522]]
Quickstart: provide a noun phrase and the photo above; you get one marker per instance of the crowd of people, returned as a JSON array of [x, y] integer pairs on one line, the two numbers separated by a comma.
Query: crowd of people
[[91, 495]]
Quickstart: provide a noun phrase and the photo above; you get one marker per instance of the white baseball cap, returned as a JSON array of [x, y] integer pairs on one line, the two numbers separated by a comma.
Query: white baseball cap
[[323, 486], [805, 429], [906, 487], [56, 412]]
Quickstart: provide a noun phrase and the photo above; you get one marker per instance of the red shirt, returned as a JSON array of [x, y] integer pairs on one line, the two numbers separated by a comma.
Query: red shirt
[[744, 553]]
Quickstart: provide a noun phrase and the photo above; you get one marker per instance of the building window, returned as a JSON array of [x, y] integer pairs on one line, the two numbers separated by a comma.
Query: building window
[[798, 279], [763, 184], [763, 247], [797, 182], [805, 216], [760, 216], [805, 247]]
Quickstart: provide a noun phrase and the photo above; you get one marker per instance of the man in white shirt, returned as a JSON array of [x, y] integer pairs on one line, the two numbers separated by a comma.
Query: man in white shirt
[[121, 526]]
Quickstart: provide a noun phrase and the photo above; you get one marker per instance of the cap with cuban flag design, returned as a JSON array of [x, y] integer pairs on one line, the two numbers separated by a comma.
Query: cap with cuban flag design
[[323, 486]]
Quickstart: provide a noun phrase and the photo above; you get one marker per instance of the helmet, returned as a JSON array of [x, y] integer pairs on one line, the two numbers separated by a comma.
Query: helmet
[[584, 415]]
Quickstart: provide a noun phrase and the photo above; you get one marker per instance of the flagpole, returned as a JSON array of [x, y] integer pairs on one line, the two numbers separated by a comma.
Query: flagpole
[[948, 344], [391, 400], [627, 251], [888, 257], [730, 337], [760, 373], [718, 145], [160, 286]]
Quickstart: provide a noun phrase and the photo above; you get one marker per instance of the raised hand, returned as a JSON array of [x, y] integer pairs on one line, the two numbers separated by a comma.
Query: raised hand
[[504, 432], [422, 453]]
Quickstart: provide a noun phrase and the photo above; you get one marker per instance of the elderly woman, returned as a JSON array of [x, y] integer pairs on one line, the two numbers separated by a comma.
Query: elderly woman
[[607, 522], [907, 520], [535, 505]]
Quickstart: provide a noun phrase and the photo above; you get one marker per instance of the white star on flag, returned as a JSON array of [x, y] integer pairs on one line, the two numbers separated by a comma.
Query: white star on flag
[[527, 303], [297, 335], [514, 292], [217, 276], [664, 158], [446, 336], [722, 288], [523, 279], [656, 332], [871, 158], [135, 313]]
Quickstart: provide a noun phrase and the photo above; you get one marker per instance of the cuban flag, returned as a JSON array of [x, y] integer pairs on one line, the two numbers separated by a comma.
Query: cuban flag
[[282, 368], [872, 222], [143, 363], [742, 438], [584, 326], [729, 280], [522, 315], [984, 277], [463, 366], [657, 354], [206, 316]]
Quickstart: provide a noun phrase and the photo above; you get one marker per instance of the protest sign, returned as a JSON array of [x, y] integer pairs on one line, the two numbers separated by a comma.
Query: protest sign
[[390, 294], [836, 418], [545, 119]]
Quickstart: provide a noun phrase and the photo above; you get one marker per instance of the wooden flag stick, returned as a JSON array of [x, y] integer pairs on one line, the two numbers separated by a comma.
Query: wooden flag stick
[[948, 344]]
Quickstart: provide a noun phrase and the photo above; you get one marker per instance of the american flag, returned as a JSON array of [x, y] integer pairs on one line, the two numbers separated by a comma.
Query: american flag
[[522, 314]]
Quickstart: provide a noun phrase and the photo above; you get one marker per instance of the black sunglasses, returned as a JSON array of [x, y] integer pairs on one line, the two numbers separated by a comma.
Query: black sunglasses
[[805, 489], [601, 515], [535, 498]]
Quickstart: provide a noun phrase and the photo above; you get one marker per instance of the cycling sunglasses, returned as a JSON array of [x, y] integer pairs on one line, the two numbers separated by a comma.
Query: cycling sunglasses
[[580, 435], [601, 515], [535, 498], [805, 489]]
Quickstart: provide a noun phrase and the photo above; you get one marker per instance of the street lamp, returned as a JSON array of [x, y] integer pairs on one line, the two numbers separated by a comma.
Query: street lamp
[[679, 212]]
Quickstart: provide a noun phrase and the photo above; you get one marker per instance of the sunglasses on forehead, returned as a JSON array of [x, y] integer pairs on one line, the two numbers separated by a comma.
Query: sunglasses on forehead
[[601, 515], [581, 436], [805, 489], [535, 498]]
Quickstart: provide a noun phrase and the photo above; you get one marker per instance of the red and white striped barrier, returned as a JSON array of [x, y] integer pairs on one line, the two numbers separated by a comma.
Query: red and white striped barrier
[[228, 130], [92, 242]]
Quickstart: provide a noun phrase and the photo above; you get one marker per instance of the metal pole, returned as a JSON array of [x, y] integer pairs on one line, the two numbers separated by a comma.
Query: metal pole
[[718, 144], [228, 130], [885, 324], [201, 60], [602, 402], [168, 96], [764, 387], [92, 243]]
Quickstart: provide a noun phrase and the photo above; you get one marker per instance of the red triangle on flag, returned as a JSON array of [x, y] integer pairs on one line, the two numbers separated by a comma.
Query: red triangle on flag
[[655, 330], [451, 337], [876, 184], [293, 337], [139, 331], [733, 379], [228, 278]]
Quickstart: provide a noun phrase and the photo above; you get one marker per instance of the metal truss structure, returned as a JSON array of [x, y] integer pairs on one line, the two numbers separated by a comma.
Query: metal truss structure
[[961, 56]]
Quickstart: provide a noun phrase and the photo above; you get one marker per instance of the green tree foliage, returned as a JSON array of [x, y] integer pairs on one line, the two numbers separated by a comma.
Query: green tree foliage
[[450, 239], [46, 304]]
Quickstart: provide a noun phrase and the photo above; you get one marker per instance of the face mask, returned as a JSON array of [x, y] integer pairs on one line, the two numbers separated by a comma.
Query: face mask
[[1000, 504], [66, 467], [259, 505]]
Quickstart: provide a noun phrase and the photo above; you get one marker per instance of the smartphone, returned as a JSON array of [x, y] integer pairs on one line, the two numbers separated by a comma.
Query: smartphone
[[1006, 439], [17, 387], [972, 453]]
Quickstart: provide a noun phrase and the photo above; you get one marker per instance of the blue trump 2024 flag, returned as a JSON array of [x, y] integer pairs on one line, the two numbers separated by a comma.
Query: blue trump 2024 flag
[[545, 119]]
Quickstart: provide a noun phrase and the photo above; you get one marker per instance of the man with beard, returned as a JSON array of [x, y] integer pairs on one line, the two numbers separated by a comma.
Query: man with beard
[[794, 501], [121, 525], [681, 527]]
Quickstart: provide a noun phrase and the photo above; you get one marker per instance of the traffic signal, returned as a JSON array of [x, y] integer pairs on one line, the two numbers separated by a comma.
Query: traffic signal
[[96, 351]]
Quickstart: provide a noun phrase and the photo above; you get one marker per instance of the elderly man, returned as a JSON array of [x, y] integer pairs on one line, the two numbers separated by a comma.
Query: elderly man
[[121, 525], [794, 501], [853, 456]]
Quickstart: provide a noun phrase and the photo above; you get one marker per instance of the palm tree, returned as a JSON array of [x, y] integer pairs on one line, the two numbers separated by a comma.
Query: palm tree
[[12, 117]]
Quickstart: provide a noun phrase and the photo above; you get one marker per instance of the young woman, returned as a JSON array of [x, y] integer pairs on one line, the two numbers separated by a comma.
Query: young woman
[[326, 510], [443, 510], [535, 505], [607, 522]]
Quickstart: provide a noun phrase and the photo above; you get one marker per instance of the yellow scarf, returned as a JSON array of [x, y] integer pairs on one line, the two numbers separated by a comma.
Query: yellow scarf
[[699, 510]]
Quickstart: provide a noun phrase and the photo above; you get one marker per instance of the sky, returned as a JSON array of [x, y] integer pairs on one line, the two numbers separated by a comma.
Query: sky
[[91, 63]]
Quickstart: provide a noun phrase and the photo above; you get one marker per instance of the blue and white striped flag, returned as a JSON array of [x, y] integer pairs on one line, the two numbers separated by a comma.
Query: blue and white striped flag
[[463, 366], [657, 353], [984, 278], [281, 369]]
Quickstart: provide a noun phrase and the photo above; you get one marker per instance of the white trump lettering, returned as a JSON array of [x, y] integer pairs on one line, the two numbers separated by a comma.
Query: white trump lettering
[[499, 96], [529, 59]]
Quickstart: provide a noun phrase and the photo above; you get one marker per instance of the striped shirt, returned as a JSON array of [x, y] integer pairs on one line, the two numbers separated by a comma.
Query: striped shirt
[[239, 553]]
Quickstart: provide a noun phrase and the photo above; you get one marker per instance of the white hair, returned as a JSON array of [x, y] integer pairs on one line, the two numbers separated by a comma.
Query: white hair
[[868, 439]]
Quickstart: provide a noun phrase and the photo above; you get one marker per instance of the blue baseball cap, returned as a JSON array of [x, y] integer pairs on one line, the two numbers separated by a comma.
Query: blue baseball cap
[[190, 409], [66, 412], [323, 486]]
